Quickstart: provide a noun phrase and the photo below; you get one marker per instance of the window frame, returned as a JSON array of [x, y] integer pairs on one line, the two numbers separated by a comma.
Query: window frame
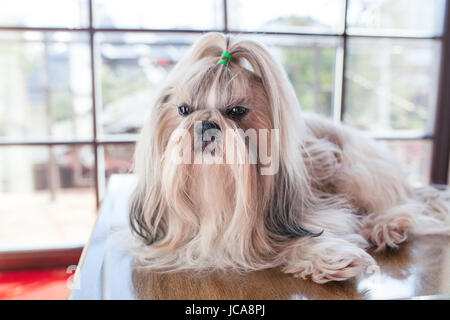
[[440, 137]]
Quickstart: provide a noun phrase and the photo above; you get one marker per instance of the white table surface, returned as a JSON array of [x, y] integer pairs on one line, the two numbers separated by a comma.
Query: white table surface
[[105, 268]]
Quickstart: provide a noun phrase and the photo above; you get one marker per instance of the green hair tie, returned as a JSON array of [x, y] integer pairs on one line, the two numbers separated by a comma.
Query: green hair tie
[[222, 61], [227, 56]]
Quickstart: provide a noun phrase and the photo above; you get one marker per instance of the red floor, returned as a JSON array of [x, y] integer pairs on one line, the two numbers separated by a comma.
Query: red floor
[[51, 284]]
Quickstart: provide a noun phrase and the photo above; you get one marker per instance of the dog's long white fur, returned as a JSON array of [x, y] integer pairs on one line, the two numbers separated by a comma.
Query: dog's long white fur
[[332, 179]]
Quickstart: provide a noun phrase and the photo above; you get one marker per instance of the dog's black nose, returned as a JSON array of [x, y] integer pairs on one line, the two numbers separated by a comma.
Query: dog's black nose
[[206, 125]]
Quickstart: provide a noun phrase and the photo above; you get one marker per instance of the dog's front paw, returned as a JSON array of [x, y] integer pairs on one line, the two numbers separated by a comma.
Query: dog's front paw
[[387, 231], [335, 266]]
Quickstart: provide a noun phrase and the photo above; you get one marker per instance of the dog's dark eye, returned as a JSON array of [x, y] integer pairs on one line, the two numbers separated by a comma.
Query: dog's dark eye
[[236, 112], [184, 110]]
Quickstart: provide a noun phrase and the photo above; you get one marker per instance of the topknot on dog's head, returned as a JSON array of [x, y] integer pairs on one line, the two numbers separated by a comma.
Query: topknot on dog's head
[[246, 53]]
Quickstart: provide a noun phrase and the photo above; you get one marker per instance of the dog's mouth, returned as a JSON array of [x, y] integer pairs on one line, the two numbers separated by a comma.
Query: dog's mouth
[[207, 135], [210, 146], [206, 141]]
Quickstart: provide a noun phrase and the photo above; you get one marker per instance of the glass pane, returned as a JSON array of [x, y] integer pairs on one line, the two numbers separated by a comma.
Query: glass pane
[[45, 87], [286, 15], [415, 156], [118, 159], [47, 196], [396, 17], [393, 89], [310, 65], [45, 13], [132, 69], [168, 14]]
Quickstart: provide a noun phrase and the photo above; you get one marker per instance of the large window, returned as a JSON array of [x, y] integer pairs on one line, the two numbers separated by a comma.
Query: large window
[[78, 77]]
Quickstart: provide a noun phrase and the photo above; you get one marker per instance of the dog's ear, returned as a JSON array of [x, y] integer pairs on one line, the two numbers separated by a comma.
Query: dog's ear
[[145, 200], [145, 216], [137, 218], [283, 219]]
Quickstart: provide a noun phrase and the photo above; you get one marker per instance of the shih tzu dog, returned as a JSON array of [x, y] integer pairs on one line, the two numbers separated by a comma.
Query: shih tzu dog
[[233, 175]]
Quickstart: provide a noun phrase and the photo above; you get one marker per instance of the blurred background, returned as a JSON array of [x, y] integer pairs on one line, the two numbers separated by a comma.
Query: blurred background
[[77, 78]]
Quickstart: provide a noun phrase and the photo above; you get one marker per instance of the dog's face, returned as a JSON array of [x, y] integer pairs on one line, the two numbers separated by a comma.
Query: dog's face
[[209, 106]]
